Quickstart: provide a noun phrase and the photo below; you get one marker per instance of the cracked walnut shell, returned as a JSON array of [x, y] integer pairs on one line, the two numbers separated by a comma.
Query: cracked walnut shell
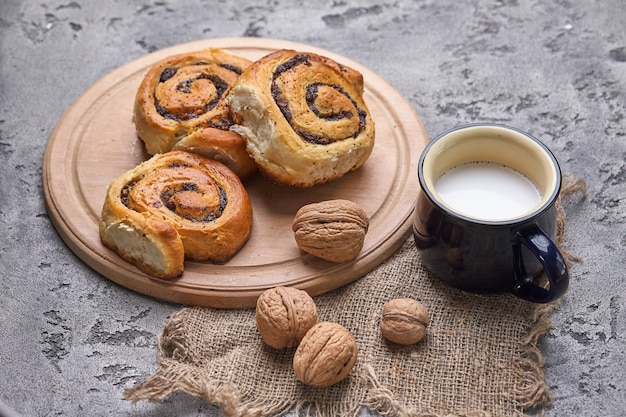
[[284, 315], [404, 321], [333, 230], [325, 356]]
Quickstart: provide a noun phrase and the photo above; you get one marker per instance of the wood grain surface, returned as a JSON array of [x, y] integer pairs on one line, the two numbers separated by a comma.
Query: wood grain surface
[[95, 141]]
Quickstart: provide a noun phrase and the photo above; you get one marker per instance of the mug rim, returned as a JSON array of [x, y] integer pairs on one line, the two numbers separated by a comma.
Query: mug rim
[[536, 212]]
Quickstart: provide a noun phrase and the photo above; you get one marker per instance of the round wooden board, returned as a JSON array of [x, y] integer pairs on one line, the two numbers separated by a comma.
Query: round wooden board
[[95, 142]]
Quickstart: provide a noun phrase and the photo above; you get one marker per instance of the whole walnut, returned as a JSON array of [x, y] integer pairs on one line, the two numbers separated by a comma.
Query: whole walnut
[[333, 230], [284, 315], [325, 355], [404, 321]]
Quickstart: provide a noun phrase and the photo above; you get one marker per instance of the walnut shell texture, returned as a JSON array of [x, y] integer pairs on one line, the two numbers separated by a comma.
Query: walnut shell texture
[[404, 321], [284, 315], [333, 230], [325, 356]]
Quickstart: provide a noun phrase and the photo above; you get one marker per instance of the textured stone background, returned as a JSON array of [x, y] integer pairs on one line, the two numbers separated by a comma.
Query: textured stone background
[[71, 341]]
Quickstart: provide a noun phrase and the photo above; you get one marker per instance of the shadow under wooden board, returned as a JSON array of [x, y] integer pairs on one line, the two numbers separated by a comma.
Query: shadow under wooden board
[[95, 142]]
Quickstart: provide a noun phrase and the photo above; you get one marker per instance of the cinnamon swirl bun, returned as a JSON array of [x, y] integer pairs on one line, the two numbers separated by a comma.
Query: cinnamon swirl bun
[[182, 98], [303, 117], [172, 207]]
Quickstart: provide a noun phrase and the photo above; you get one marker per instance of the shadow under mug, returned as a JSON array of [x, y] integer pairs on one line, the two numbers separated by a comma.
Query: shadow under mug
[[488, 255]]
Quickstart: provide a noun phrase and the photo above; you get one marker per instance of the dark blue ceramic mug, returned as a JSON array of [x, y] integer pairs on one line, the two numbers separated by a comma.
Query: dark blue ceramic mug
[[485, 217]]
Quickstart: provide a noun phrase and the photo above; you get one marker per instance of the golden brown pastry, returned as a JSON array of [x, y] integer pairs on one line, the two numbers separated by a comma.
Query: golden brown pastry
[[182, 97], [172, 207], [303, 116], [228, 148]]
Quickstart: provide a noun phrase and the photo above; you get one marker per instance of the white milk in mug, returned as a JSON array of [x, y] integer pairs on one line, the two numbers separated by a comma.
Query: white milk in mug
[[487, 191]]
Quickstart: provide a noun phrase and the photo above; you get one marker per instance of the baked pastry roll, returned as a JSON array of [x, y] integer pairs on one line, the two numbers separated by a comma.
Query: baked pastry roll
[[303, 116], [172, 207], [226, 147], [182, 98]]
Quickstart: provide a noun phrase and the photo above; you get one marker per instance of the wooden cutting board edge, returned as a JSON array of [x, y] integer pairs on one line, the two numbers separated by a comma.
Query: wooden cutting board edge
[[107, 263]]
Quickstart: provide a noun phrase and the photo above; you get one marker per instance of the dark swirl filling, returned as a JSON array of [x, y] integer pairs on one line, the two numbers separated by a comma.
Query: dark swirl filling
[[184, 87], [125, 193], [311, 96], [199, 211], [168, 200]]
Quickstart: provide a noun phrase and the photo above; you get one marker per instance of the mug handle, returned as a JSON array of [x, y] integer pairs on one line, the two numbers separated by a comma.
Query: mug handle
[[553, 264]]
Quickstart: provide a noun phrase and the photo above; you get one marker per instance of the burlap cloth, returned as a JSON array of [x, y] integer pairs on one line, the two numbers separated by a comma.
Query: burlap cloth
[[479, 358]]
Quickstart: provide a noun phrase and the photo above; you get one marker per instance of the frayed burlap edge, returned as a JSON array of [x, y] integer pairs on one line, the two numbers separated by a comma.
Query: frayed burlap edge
[[173, 375], [533, 392]]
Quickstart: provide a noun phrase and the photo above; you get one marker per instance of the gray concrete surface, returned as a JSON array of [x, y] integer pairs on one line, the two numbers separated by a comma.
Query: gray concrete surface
[[71, 341]]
